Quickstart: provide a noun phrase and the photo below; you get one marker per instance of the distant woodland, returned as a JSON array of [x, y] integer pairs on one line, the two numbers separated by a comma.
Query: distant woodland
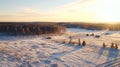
[[39, 28], [30, 28], [92, 26]]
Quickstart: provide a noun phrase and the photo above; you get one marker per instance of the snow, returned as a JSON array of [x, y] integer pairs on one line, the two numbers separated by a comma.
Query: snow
[[37, 51]]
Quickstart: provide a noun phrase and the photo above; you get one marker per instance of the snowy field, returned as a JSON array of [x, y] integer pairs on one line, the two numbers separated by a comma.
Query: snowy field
[[37, 51]]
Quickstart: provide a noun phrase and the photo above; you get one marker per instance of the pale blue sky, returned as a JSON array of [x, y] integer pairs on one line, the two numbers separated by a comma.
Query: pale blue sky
[[60, 10], [13, 5]]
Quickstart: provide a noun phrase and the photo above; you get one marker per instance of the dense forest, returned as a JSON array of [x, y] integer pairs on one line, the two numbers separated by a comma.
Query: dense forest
[[30, 28], [38, 28], [91, 26]]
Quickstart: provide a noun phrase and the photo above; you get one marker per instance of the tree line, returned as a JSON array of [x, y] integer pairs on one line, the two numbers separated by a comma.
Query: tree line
[[92, 26], [30, 29]]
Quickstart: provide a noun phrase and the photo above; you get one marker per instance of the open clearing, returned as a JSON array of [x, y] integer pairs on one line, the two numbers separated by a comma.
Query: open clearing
[[37, 51]]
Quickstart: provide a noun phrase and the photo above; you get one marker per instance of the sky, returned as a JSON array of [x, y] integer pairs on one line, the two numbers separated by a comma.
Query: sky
[[60, 10]]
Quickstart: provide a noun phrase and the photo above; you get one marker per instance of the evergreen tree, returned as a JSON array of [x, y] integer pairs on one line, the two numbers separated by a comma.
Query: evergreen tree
[[116, 46], [79, 43], [70, 40], [84, 43], [104, 45], [112, 45]]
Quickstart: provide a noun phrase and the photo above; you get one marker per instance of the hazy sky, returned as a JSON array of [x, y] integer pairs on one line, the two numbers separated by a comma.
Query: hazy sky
[[60, 10]]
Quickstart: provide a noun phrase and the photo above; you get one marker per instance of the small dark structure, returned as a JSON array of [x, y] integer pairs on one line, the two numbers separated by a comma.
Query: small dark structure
[[112, 45], [79, 43], [116, 46], [107, 33], [48, 37], [70, 40], [84, 43], [64, 42], [92, 34], [97, 36], [104, 45], [87, 34]]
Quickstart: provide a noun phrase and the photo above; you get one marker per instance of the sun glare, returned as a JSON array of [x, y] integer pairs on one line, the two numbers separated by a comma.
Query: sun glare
[[108, 10], [81, 11], [92, 11]]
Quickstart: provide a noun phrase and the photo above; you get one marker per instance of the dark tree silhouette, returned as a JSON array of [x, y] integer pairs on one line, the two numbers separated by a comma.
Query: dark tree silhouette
[[30, 29], [79, 43], [104, 45], [116, 46], [84, 43], [112, 45], [70, 40]]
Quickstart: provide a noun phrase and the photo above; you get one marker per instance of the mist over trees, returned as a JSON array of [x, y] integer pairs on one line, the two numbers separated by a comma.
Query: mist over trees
[[92, 26], [38, 28]]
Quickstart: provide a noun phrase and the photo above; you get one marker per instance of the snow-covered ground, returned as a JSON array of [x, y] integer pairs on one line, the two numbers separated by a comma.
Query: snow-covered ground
[[37, 51]]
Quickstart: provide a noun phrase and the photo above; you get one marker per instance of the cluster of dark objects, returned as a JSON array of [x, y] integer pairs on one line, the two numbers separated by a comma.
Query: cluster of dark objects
[[113, 45]]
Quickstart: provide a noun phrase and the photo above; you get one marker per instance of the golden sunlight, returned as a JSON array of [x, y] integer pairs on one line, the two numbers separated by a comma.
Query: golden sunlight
[[78, 11], [91, 11]]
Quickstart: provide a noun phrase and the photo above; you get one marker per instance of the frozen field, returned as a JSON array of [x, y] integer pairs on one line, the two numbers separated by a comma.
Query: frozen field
[[37, 51]]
